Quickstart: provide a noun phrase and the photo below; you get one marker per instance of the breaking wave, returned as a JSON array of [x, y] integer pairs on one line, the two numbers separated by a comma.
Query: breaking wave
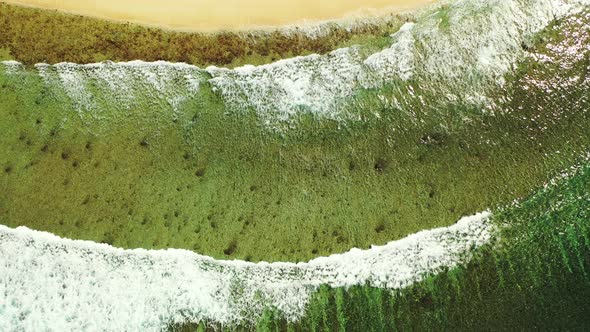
[[460, 51], [50, 283]]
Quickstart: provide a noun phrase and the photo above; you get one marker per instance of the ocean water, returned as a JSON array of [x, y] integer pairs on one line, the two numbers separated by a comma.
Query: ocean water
[[461, 52], [494, 58]]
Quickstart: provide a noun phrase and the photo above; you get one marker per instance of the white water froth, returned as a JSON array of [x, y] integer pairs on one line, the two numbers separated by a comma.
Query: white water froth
[[280, 90], [50, 283], [459, 51], [123, 83]]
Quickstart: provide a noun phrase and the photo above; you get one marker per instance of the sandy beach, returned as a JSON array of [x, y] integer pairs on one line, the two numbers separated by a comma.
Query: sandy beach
[[209, 15]]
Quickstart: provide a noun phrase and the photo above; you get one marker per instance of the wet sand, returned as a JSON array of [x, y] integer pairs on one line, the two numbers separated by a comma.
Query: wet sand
[[209, 15]]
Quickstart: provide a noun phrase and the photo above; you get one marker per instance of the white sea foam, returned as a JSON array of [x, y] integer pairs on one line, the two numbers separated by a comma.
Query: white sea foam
[[280, 90], [12, 67], [50, 283], [397, 61], [460, 51], [123, 83]]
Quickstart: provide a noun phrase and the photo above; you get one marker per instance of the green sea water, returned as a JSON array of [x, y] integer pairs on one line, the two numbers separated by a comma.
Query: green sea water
[[153, 174], [534, 276], [164, 164]]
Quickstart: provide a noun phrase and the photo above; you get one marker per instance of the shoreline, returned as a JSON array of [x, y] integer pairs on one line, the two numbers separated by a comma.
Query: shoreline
[[204, 15]]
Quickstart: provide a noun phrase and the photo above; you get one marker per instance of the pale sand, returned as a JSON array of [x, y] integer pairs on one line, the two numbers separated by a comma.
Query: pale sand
[[209, 15]]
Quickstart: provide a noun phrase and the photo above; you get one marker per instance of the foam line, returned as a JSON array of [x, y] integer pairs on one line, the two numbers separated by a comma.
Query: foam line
[[461, 51], [51, 283]]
